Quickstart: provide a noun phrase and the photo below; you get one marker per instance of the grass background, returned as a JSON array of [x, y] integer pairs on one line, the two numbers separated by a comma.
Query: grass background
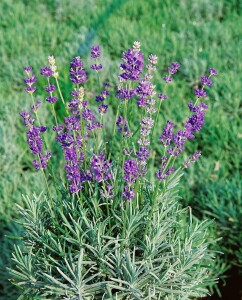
[[198, 34]]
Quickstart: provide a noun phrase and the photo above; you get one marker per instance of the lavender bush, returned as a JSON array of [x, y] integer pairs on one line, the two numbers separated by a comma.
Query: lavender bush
[[113, 229]]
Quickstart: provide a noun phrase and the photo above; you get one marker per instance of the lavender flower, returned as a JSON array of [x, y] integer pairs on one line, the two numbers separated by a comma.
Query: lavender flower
[[175, 65], [77, 71], [171, 70], [30, 80], [143, 153], [100, 168], [127, 151], [88, 115], [200, 93], [132, 66], [72, 156], [153, 59], [28, 70], [96, 67], [50, 88], [51, 99], [122, 124], [46, 71], [206, 80], [95, 51], [130, 171], [102, 108], [106, 193], [162, 96], [193, 158], [128, 193], [72, 123], [34, 139], [35, 107], [213, 72], [162, 173], [168, 78], [167, 134], [125, 93], [43, 161]]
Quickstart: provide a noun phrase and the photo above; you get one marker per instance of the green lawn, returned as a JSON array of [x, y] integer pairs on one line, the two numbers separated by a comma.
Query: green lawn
[[198, 34]]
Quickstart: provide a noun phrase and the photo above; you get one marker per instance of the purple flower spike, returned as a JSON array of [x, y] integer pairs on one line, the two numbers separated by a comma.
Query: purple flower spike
[[95, 51], [30, 89], [30, 80], [125, 93], [28, 70], [36, 106], [162, 97], [195, 156], [167, 134], [143, 153], [200, 93], [175, 65], [100, 98], [128, 193], [77, 71], [58, 128], [102, 108], [127, 151], [131, 171], [168, 78], [153, 59], [206, 81], [96, 67], [46, 71], [50, 88], [100, 167], [213, 72], [132, 66], [171, 70], [51, 99]]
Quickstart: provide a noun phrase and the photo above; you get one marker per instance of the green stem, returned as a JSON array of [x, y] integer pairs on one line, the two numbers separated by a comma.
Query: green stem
[[54, 113], [114, 129], [60, 93], [45, 179]]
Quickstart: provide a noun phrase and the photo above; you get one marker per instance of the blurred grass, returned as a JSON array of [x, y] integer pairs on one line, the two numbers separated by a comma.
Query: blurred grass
[[198, 34]]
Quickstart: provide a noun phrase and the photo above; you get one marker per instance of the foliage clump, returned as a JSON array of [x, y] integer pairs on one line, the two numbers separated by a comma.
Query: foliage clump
[[114, 228]]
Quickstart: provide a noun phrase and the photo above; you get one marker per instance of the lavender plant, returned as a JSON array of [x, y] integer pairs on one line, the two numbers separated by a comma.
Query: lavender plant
[[113, 229]]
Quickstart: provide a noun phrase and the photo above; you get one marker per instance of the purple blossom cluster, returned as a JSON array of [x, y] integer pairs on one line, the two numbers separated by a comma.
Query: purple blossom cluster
[[84, 165], [95, 54], [35, 141], [46, 71], [205, 81], [163, 173], [77, 71], [122, 125], [132, 65], [74, 157], [77, 103], [192, 159], [100, 168], [171, 71], [29, 80], [145, 91], [131, 172], [193, 124], [103, 108], [146, 125]]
